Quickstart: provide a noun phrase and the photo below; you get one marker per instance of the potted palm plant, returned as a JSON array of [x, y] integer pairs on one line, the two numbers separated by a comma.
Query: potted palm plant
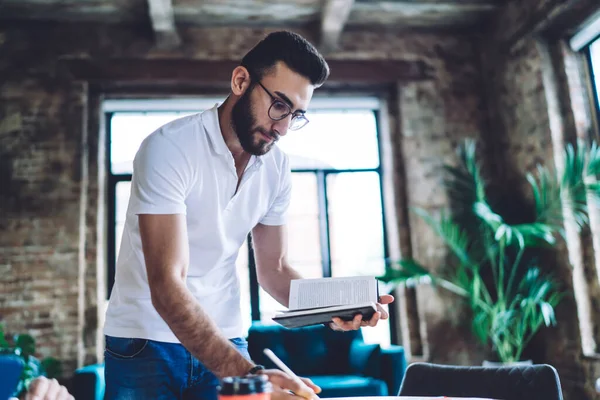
[[493, 265]]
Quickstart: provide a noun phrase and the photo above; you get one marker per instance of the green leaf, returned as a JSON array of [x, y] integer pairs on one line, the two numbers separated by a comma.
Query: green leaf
[[548, 313], [483, 211], [52, 367], [593, 166], [573, 188], [407, 271], [481, 326], [533, 233], [451, 233], [26, 343]]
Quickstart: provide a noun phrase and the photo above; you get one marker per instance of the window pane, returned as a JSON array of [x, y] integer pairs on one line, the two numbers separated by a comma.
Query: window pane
[[356, 233], [379, 334], [345, 139], [128, 130], [356, 224], [123, 190], [304, 249]]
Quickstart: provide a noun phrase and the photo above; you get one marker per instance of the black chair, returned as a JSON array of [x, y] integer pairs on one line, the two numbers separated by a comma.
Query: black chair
[[528, 382]]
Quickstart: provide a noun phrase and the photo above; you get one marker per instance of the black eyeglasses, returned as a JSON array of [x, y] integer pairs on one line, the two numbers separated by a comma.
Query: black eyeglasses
[[280, 110]]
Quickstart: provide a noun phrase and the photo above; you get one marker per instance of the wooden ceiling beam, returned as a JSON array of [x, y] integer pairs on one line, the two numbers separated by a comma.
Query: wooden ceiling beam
[[217, 72], [163, 23], [333, 18]]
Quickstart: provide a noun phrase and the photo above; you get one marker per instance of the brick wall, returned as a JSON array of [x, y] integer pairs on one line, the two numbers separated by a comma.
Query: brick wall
[[40, 199]]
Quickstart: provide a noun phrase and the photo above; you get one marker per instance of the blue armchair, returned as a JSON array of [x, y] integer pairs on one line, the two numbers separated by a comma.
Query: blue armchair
[[88, 383], [341, 363]]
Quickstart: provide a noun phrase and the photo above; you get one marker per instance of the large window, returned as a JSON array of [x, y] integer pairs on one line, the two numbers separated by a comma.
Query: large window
[[336, 221]]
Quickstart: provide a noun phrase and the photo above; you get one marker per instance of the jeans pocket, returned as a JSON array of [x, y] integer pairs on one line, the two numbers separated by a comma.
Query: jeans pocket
[[125, 348], [239, 342], [242, 345]]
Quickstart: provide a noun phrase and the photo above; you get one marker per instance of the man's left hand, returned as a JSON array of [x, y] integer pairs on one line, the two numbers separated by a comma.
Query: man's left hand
[[338, 324]]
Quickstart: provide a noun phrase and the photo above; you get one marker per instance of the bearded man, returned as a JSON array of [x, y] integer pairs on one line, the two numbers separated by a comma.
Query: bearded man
[[200, 184]]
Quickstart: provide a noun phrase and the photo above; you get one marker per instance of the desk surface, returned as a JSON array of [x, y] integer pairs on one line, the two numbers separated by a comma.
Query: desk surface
[[409, 398]]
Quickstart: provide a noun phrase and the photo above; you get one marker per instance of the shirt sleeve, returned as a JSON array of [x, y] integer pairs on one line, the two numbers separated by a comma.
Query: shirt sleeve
[[277, 214], [161, 177]]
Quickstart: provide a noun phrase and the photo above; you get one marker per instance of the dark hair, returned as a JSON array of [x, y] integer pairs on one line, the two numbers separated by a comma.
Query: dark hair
[[292, 49]]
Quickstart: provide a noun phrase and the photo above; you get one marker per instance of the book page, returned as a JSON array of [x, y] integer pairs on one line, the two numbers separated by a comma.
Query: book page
[[326, 292]]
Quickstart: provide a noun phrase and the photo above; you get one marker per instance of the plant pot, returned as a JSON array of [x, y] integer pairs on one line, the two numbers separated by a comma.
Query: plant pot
[[496, 364]]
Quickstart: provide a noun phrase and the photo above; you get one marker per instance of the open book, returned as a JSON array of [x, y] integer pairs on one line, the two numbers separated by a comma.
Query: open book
[[316, 301]]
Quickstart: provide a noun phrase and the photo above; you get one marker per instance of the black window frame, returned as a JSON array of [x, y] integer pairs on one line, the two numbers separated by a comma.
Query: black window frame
[[324, 231], [594, 83]]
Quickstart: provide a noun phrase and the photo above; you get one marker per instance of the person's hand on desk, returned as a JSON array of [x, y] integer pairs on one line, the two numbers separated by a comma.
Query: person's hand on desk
[[339, 324], [283, 384], [42, 388]]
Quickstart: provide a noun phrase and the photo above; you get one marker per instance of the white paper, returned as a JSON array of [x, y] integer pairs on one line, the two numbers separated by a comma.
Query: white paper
[[326, 292]]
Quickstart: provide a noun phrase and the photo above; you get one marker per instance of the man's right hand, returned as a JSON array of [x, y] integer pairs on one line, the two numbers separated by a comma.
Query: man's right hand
[[283, 384], [43, 388]]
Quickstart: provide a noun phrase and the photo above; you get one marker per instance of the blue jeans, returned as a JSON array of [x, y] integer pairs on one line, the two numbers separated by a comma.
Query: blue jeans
[[145, 369]]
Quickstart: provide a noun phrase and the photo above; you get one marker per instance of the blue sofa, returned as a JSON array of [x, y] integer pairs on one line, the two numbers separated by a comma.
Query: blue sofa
[[341, 363]]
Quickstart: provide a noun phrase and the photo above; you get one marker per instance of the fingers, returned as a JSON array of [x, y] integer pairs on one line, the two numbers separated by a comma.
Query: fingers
[[53, 390], [374, 319], [386, 299], [38, 388], [334, 325], [43, 388], [311, 385], [63, 394], [286, 395], [301, 388], [382, 311], [341, 325], [347, 325]]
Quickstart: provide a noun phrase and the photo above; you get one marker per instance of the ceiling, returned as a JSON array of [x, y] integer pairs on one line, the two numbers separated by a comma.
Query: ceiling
[[332, 15], [253, 13]]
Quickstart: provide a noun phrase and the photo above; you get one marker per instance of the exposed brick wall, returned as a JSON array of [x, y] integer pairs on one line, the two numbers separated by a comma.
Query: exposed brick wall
[[40, 158]]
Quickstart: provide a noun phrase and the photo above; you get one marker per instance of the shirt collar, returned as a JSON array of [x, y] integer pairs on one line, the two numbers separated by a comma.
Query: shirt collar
[[210, 118]]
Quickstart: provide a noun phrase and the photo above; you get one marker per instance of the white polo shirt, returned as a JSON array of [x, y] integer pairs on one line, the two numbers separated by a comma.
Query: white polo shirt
[[186, 168]]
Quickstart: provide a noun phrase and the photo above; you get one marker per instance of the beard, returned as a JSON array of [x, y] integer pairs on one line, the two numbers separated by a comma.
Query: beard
[[244, 125]]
